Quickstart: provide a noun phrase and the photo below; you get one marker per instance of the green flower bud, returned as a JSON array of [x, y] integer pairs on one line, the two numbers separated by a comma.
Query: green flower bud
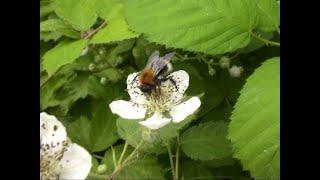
[[97, 59], [118, 60], [224, 62], [101, 168], [103, 81], [212, 71], [148, 50], [101, 51], [136, 52], [92, 67]]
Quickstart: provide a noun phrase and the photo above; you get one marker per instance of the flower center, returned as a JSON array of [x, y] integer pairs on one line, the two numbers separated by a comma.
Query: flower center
[[159, 101], [50, 156]]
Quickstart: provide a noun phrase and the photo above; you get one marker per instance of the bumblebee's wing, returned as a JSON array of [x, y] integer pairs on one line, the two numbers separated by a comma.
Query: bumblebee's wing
[[157, 65], [153, 57]]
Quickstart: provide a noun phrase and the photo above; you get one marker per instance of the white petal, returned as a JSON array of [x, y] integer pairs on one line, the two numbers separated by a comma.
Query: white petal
[[127, 110], [52, 131], [134, 91], [181, 111], [156, 121], [177, 85], [76, 163]]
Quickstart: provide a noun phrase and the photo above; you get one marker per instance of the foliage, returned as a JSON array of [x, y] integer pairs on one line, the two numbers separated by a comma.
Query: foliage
[[254, 130], [89, 47]]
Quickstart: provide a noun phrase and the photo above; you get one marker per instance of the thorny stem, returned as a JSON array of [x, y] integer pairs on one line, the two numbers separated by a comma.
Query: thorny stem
[[177, 157], [171, 160], [123, 152], [95, 30], [125, 163], [266, 41]]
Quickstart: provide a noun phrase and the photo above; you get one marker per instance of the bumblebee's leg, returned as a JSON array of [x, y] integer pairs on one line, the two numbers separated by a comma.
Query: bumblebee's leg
[[172, 81]]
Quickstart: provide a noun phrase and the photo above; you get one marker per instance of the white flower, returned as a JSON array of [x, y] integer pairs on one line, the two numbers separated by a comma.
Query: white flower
[[157, 109], [60, 159], [235, 71]]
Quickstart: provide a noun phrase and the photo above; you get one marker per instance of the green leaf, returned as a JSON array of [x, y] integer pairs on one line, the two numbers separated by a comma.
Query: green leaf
[[114, 55], [134, 133], [254, 129], [215, 163], [212, 27], [65, 52], [117, 28], [75, 89], [142, 50], [194, 170], [81, 14], [79, 132], [47, 36], [103, 130], [144, 168], [111, 74], [269, 15], [47, 92], [255, 43], [57, 25], [206, 141], [45, 10], [62, 86]]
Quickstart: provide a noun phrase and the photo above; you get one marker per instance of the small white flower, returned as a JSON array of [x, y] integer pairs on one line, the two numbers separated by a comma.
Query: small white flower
[[235, 71], [157, 109], [60, 159]]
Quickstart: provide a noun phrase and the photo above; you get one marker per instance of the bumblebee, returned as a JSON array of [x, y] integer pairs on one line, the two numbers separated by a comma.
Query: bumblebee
[[155, 72]]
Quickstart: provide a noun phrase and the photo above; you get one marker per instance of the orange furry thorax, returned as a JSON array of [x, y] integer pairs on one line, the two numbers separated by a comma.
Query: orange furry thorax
[[147, 77]]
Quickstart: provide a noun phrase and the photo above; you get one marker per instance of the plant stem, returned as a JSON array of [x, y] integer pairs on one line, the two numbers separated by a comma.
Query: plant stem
[[177, 157], [171, 160], [95, 30], [45, 81], [96, 156], [266, 41], [114, 157], [125, 163], [235, 55], [123, 152]]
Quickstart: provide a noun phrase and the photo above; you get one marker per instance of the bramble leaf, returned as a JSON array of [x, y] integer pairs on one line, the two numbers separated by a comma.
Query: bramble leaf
[[212, 27], [81, 14], [206, 141], [65, 52], [255, 122]]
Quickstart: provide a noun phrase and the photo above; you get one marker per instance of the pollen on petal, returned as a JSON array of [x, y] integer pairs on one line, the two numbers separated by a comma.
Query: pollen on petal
[[134, 91], [176, 85]]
